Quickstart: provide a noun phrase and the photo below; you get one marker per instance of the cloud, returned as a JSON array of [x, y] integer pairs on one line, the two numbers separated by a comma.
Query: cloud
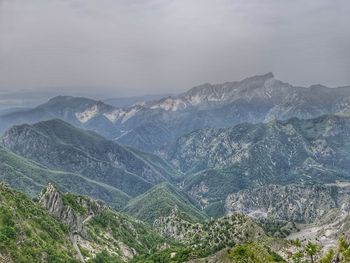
[[128, 47]]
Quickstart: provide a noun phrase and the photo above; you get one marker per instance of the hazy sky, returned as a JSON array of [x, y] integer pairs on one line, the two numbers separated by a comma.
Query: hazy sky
[[127, 47]]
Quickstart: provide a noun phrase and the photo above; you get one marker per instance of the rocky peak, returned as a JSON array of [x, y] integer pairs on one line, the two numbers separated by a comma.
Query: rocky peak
[[70, 209], [51, 199], [263, 77]]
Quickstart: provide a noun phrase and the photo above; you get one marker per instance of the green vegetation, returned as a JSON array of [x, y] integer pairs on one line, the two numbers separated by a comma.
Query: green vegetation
[[122, 228], [104, 257], [72, 201], [328, 258], [112, 235], [158, 164], [28, 233], [160, 201], [31, 177], [61, 146], [218, 162], [180, 254], [209, 237], [311, 250], [276, 228], [344, 249], [253, 253]]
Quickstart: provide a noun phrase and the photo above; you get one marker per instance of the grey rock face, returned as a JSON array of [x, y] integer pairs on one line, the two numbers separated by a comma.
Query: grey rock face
[[297, 203], [53, 202]]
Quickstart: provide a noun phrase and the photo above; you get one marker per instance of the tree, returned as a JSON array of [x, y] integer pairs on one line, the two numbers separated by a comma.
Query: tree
[[312, 249], [328, 258], [297, 256], [344, 249]]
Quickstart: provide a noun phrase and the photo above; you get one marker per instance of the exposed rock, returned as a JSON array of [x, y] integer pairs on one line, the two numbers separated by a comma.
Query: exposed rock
[[53, 201], [298, 203], [218, 162]]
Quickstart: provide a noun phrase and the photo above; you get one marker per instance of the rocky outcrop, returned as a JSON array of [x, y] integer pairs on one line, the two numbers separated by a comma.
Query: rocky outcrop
[[94, 227], [58, 206], [52, 201], [297, 203]]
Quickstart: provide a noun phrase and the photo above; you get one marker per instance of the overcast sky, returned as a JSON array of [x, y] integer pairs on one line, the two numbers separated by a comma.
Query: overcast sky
[[112, 48]]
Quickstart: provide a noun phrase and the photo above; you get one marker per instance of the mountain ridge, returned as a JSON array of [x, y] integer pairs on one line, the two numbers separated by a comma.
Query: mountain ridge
[[254, 99], [61, 146], [218, 162], [160, 201]]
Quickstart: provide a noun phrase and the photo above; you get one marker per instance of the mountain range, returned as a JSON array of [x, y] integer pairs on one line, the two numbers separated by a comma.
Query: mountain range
[[217, 162], [253, 169], [151, 124]]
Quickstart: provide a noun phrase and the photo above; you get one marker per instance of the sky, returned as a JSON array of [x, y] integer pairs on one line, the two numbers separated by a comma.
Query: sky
[[115, 48]]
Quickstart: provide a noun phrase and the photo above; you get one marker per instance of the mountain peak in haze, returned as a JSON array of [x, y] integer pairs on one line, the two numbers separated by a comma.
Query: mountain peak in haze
[[268, 75]]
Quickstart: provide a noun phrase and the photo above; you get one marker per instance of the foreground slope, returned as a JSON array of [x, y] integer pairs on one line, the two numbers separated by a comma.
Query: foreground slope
[[69, 228], [96, 230], [211, 241], [29, 234]]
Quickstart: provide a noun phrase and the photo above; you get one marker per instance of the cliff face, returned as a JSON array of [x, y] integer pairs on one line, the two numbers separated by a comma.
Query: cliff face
[[58, 206], [95, 228], [298, 203]]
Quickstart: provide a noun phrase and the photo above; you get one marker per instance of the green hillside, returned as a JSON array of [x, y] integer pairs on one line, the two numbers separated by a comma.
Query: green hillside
[[61, 146], [28, 233], [30, 177], [98, 230], [160, 201]]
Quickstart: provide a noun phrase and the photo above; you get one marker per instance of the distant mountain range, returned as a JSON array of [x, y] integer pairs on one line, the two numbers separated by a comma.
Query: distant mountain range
[[149, 125], [130, 101]]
